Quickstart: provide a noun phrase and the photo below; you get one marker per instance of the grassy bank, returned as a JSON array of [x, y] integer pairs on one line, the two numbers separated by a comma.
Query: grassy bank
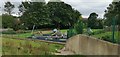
[[107, 36], [25, 47]]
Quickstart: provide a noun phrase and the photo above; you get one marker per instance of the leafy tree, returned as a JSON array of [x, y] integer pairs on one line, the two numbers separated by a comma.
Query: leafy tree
[[8, 7], [79, 27], [58, 14], [16, 24], [7, 21], [112, 12], [62, 14], [92, 20], [35, 14], [21, 9], [100, 24]]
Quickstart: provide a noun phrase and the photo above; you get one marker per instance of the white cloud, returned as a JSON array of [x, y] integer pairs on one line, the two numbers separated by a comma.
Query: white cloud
[[88, 6]]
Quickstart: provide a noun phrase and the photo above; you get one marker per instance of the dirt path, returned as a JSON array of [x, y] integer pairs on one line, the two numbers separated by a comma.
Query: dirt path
[[64, 52]]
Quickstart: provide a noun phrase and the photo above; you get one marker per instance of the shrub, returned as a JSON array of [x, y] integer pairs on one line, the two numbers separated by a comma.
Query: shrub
[[79, 27], [71, 32], [7, 21]]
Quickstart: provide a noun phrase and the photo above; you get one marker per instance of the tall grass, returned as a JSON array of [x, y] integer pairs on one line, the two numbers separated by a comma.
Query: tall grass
[[25, 47]]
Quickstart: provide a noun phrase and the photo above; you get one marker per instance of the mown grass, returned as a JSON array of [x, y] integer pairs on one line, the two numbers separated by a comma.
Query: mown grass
[[28, 47], [108, 36], [28, 34], [104, 35]]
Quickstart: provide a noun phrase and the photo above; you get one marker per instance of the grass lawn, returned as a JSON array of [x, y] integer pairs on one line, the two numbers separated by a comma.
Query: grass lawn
[[108, 36], [25, 47], [28, 47], [104, 35], [25, 35]]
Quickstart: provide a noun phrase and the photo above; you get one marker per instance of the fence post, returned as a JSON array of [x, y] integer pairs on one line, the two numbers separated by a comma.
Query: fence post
[[113, 29]]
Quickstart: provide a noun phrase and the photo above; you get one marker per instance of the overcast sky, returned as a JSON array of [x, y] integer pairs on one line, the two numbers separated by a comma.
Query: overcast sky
[[85, 7]]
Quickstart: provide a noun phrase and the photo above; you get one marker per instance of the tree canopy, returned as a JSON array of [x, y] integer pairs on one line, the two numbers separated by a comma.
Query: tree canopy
[[112, 12], [7, 21], [94, 22], [53, 14], [8, 7]]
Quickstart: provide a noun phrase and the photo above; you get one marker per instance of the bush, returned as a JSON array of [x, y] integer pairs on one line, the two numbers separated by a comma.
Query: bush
[[7, 21], [79, 27], [70, 33]]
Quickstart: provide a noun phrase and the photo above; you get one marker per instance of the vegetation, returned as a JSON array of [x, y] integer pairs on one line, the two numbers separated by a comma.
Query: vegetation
[[50, 15], [26, 33], [71, 32], [107, 36], [8, 7], [7, 21], [79, 27], [93, 22], [28, 47], [112, 12], [0, 21], [76, 29], [112, 15]]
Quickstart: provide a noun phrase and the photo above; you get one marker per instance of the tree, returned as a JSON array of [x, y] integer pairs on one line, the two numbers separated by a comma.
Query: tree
[[92, 20], [112, 12], [62, 14], [35, 14], [79, 27], [7, 21], [8, 7], [53, 14], [21, 9]]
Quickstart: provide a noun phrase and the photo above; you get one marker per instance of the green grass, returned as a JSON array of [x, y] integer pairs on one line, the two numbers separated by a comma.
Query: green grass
[[104, 35], [95, 31], [108, 35], [64, 31], [28, 34], [27, 47], [23, 35]]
